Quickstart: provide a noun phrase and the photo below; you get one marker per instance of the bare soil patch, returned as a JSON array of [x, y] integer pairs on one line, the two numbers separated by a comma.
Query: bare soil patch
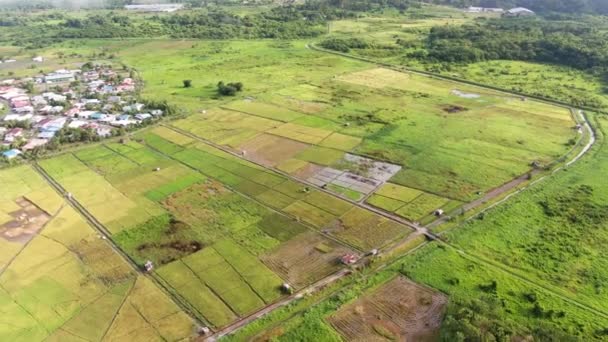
[[305, 259], [400, 310], [26, 223]]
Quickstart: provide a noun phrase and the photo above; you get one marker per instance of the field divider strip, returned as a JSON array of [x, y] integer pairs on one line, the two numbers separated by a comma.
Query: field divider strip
[[101, 229]]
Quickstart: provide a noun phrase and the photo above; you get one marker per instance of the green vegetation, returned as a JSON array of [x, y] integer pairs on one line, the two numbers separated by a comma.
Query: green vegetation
[[224, 231]]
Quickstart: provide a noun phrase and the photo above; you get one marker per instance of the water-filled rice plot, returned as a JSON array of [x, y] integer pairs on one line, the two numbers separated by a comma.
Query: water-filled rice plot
[[398, 310], [354, 176]]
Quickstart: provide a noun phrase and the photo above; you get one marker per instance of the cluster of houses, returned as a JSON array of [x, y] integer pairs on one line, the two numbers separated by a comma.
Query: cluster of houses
[[36, 109], [513, 12]]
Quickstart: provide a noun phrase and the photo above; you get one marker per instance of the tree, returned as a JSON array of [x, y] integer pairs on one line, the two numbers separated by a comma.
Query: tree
[[229, 89], [187, 83]]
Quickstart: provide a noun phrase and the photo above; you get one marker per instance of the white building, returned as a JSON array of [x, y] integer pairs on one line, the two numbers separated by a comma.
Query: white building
[[519, 12], [155, 7]]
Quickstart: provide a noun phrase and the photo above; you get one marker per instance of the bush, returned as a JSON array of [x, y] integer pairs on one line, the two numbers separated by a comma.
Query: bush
[[229, 89]]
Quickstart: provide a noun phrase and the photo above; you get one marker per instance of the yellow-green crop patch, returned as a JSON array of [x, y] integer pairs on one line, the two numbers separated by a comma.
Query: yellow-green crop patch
[[341, 142], [422, 206], [321, 155], [264, 110], [398, 192], [69, 281], [368, 230], [301, 133], [310, 214], [172, 136], [101, 199]]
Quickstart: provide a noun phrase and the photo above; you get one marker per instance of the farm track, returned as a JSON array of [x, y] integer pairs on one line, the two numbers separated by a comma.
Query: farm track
[[107, 236]]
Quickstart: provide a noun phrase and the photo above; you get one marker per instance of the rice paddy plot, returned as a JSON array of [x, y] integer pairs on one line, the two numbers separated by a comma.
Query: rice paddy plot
[[186, 283], [271, 150], [101, 199], [305, 258], [213, 270], [367, 230], [301, 133], [422, 206], [341, 142], [264, 110], [320, 155], [172, 136], [397, 310], [310, 214]]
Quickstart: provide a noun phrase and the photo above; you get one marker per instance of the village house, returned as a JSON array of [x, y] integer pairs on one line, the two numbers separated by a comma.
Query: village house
[[18, 117], [104, 131], [154, 7], [473, 9], [24, 110], [10, 154], [33, 143], [39, 101], [77, 123], [54, 97], [143, 116], [13, 134]]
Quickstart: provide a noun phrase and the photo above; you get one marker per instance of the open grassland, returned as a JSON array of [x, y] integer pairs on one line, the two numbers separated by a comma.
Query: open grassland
[[65, 283], [533, 78], [260, 65], [554, 232], [496, 297]]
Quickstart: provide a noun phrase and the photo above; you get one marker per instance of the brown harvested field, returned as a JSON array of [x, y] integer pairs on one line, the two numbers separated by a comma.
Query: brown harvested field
[[305, 259], [399, 310], [26, 223], [270, 150]]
